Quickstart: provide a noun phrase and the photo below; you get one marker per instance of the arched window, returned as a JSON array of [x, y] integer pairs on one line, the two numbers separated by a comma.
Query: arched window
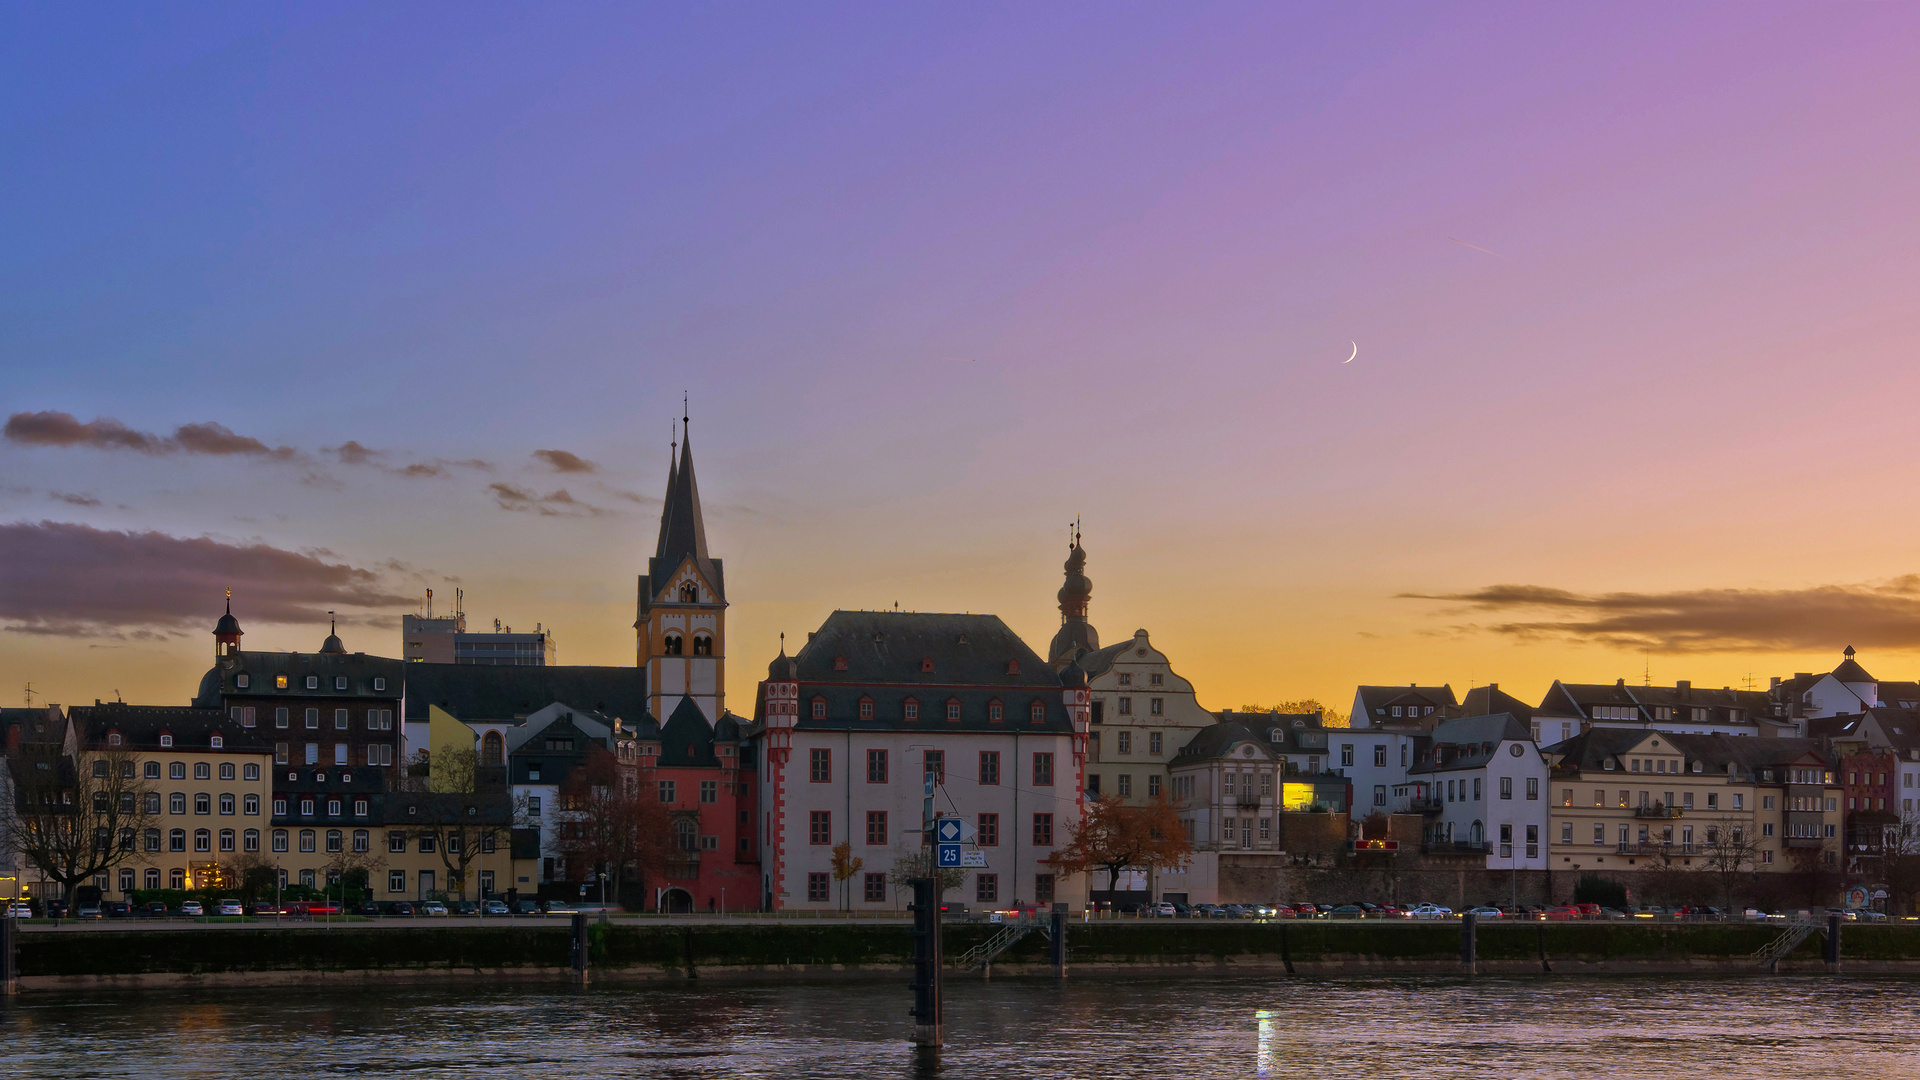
[[687, 835], [306, 839], [202, 840], [673, 645], [250, 840], [334, 841], [1478, 833], [361, 840], [702, 645], [689, 593], [177, 840], [177, 878], [493, 749], [226, 839]]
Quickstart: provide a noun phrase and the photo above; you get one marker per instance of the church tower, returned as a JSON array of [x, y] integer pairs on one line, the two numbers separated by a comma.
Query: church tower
[[1077, 637], [681, 624]]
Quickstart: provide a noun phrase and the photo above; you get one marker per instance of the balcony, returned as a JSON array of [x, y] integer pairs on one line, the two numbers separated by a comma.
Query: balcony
[[1657, 811], [1454, 847], [1247, 802], [1429, 804], [1658, 847]]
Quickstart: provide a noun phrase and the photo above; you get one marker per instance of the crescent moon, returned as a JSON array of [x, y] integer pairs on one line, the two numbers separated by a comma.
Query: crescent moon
[[1356, 352]]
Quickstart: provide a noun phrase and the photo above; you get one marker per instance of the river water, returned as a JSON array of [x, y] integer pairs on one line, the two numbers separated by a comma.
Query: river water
[[1090, 1026]]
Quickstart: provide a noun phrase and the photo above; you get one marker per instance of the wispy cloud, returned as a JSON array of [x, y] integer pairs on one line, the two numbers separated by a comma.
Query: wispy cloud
[[560, 503], [65, 430], [74, 498], [63, 578], [1822, 617], [562, 461]]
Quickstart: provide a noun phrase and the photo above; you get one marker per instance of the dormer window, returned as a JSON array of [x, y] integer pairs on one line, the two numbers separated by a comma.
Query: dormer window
[[953, 709], [866, 708], [839, 663], [819, 708], [218, 742], [910, 709], [379, 682], [113, 738], [1037, 713], [242, 680], [339, 682], [926, 664], [995, 712], [279, 682], [166, 738], [313, 682], [1013, 667]]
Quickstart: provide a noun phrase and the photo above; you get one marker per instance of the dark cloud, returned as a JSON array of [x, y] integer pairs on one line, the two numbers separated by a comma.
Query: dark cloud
[[69, 579], [559, 503], [352, 453], [633, 497], [562, 461], [62, 429], [74, 498], [1822, 617]]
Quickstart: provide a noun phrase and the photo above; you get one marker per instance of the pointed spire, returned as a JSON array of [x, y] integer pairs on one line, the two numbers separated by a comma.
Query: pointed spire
[[666, 506], [683, 529]]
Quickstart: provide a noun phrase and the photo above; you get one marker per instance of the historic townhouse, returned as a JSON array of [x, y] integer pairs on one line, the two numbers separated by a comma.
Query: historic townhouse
[[1410, 705], [1683, 709], [1481, 783], [846, 730], [207, 783], [1143, 712], [704, 774], [1634, 799]]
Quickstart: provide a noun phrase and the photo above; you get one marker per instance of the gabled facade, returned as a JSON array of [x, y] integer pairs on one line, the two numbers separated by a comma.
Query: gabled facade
[[704, 775], [681, 621], [1481, 782], [1142, 713], [1682, 709], [846, 730]]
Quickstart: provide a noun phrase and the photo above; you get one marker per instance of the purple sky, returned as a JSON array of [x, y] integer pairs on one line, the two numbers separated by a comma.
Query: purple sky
[[938, 280]]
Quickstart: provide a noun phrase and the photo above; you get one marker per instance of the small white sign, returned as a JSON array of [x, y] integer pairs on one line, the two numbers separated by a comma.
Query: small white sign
[[972, 857]]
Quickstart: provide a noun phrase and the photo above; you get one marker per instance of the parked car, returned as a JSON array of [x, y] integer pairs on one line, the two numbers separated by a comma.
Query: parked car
[[152, 909], [265, 908], [465, 907], [1430, 911], [1589, 911], [495, 907], [19, 910], [1207, 911], [367, 910], [559, 907], [1486, 912], [116, 909], [192, 908], [1235, 911], [1392, 912], [1264, 911], [401, 909], [1348, 911], [1182, 911], [434, 909], [1563, 913], [532, 907]]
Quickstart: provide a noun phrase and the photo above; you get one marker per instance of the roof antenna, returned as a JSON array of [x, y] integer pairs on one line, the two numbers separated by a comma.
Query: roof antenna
[[1646, 673], [683, 409]]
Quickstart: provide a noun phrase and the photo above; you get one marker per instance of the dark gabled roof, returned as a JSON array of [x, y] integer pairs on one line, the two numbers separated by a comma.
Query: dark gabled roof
[[1578, 699], [1099, 661], [1468, 742], [481, 692], [1588, 751], [1375, 698], [478, 808], [686, 740], [1899, 693], [683, 534], [1275, 733], [889, 647], [261, 668], [1490, 699], [140, 728]]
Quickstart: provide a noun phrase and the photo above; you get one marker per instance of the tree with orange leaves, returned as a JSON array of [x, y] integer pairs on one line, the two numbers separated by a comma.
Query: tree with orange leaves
[[607, 823], [1114, 836]]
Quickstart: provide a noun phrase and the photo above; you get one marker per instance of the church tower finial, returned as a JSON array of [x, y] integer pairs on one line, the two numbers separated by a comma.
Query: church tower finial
[[1077, 637]]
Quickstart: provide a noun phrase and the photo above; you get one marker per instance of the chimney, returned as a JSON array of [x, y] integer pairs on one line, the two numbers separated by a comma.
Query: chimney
[[1684, 686], [1774, 684], [13, 738]]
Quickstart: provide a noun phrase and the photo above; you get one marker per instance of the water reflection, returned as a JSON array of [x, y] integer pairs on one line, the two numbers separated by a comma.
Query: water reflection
[[1093, 1025]]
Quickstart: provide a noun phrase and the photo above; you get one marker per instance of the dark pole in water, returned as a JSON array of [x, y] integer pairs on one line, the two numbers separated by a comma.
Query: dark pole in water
[[1469, 945], [1832, 949], [9, 956], [1060, 940], [928, 1029], [579, 973]]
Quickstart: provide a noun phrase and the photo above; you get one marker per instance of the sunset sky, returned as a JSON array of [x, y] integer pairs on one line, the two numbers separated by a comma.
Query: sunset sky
[[293, 300]]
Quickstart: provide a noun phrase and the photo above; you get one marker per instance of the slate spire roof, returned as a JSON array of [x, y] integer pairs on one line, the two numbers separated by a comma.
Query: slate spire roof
[[1076, 637], [683, 530]]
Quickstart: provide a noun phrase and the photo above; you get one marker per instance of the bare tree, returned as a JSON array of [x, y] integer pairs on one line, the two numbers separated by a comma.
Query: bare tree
[[75, 816], [607, 826], [910, 863], [1731, 854]]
